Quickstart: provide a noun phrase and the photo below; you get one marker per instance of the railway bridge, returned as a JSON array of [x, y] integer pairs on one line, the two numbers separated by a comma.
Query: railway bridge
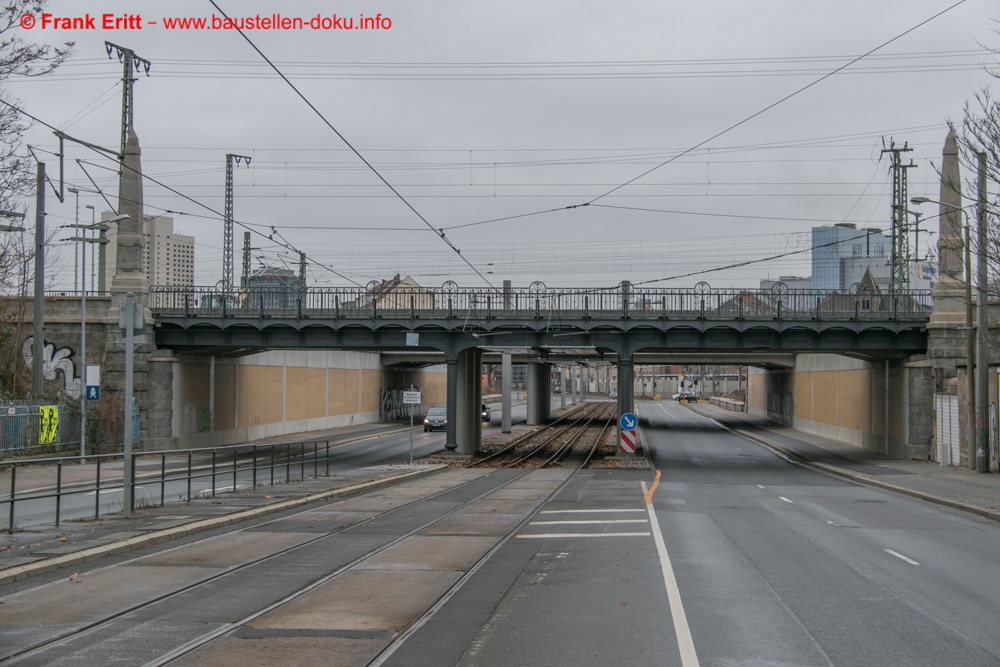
[[624, 325]]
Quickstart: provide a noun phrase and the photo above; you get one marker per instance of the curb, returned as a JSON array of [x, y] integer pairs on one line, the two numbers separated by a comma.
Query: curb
[[19, 572]]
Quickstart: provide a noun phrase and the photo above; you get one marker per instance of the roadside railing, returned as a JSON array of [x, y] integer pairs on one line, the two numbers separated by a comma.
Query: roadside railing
[[189, 474]]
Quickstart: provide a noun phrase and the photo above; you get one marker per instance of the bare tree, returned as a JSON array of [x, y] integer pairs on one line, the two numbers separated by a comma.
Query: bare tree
[[17, 58], [979, 133]]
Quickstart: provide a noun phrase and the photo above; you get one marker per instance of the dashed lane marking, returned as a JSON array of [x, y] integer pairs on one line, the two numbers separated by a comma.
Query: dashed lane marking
[[901, 556]]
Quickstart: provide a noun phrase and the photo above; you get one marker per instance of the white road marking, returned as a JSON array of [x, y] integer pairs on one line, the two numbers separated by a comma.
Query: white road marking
[[577, 523], [545, 536], [901, 556], [585, 511], [785, 499], [685, 643], [761, 486]]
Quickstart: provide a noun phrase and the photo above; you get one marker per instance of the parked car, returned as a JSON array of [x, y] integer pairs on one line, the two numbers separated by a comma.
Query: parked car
[[485, 413], [436, 418]]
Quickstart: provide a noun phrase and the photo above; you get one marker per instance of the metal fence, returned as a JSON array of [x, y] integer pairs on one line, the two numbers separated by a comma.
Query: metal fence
[[623, 301], [183, 474], [33, 428]]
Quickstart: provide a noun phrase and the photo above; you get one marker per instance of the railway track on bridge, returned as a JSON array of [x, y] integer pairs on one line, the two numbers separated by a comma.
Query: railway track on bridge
[[325, 557]]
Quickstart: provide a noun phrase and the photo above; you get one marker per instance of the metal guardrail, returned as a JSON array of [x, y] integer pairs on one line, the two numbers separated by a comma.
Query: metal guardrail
[[255, 463], [537, 301]]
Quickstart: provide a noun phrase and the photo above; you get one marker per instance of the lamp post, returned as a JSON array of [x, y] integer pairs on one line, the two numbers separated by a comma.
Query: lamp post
[[76, 247], [93, 263], [970, 332], [83, 320]]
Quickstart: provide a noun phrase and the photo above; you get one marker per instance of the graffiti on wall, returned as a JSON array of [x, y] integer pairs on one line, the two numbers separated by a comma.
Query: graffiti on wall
[[391, 405], [53, 361]]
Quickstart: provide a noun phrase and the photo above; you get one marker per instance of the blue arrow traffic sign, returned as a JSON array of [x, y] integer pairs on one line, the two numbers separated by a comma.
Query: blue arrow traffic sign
[[93, 392], [629, 421]]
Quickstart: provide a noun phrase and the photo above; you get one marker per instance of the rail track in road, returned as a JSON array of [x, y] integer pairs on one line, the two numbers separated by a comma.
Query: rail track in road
[[316, 550], [577, 435]]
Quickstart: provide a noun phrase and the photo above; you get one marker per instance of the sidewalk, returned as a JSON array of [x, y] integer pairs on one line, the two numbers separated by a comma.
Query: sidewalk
[[29, 552]]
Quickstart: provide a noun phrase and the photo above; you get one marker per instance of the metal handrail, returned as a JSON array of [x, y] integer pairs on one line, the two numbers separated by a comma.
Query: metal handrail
[[353, 303], [232, 460]]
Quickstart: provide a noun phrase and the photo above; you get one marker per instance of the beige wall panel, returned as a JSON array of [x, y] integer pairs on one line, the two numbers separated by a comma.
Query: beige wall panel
[[306, 389], [196, 385], [824, 397], [803, 395], [855, 403], [225, 396], [260, 395], [757, 391], [371, 383], [435, 388], [343, 391], [878, 399]]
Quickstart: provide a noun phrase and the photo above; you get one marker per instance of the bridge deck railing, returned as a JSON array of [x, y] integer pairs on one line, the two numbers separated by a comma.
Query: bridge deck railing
[[550, 304]]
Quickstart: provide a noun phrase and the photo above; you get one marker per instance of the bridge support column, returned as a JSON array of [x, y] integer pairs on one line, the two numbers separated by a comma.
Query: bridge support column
[[562, 387], [626, 387], [506, 380], [451, 390], [532, 406], [574, 383], [469, 426], [544, 393]]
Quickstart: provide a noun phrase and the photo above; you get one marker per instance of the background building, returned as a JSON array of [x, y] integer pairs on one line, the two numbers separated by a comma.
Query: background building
[[168, 258], [837, 248], [792, 282]]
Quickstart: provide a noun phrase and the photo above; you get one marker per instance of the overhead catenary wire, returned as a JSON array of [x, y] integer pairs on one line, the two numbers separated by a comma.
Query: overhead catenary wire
[[780, 101], [323, 118]]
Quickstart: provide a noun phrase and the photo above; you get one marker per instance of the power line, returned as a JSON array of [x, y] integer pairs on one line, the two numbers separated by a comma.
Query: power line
[[403, 199], [780, 101]]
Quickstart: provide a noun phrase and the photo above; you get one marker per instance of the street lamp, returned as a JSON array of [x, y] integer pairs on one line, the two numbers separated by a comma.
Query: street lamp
[[83, 319], [971, 335]]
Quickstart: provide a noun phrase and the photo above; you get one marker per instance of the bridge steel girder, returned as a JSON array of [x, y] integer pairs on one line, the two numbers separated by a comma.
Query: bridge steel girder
[[843, 337]]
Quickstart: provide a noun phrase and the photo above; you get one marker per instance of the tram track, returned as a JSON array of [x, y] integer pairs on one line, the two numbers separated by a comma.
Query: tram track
[[64, 644]]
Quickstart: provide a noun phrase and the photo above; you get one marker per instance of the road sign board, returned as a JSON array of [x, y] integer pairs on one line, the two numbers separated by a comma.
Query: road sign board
[[93, 393], [411, 398], [627, 445], [629, 421]]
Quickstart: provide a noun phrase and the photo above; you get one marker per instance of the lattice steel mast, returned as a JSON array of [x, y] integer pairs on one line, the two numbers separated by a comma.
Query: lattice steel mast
[[227, 228], [899, 277], [245, 278], [129, 60]]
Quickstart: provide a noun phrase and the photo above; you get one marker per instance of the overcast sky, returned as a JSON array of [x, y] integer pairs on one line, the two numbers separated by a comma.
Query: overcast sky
[[477, 110]]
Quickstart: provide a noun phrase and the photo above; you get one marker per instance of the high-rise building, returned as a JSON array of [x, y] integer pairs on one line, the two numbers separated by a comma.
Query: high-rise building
[[833, 244], [167, 258]]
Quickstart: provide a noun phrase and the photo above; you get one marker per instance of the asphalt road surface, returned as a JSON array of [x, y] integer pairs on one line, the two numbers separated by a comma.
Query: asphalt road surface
[[740, 558]]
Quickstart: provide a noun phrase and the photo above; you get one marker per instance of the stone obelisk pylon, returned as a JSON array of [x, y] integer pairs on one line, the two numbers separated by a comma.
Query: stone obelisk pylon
[[949, 290], [130, 275]]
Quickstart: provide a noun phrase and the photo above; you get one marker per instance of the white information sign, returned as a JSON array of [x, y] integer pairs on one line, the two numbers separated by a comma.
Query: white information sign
[[411, 398]]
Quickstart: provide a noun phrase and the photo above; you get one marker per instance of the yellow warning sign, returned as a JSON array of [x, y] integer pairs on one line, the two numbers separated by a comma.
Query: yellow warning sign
[[48, 424]]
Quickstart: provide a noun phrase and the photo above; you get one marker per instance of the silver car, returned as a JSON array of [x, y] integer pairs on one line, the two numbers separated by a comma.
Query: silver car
[[436, 419]]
